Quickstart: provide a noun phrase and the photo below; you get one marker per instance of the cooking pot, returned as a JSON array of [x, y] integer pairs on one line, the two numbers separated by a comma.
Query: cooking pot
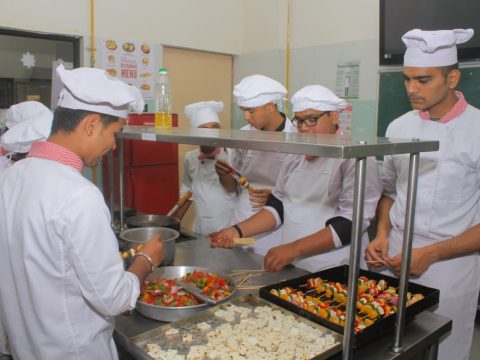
[[171, 220], [142, 220], [138, 236]]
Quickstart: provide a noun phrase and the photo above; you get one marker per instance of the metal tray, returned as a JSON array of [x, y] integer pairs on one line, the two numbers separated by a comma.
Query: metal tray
[[169, 313], [138, 343], [340, 274]]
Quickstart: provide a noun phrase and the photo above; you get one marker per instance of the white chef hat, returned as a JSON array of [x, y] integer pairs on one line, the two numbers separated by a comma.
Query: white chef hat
[[258, 90], [94, 90], [316, 97], [433, 48], [28, 121], [203, 112]]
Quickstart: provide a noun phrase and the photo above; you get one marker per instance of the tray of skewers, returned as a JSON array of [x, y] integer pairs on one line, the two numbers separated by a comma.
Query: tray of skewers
[[322, 297]]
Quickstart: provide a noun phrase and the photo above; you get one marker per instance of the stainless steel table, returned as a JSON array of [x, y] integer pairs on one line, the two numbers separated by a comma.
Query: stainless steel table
[[420, 338]]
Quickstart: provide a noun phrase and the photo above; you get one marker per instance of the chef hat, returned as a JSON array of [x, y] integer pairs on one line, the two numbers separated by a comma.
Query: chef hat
[[94, 90], [203, 112], [258, 90], [433, 48], [28, 121], [316, 97]]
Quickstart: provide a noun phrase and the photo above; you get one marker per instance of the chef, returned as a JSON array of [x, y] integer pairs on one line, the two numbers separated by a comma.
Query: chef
[[26, 122], [61, 276], [313, 196], [446, 233], [258, 97], [214, 205]]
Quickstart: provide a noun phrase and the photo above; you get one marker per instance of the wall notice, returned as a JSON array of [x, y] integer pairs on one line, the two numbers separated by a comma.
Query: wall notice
[[347, 80]]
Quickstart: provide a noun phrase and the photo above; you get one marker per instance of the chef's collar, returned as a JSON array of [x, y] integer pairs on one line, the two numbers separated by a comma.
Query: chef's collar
[[282, 125], [454, 112], [51, 151]]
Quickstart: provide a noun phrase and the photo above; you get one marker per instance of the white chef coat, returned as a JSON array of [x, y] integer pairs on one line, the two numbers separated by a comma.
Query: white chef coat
[[313, 192], [261, 169], [448, 201], [61, 278], [214, 205]]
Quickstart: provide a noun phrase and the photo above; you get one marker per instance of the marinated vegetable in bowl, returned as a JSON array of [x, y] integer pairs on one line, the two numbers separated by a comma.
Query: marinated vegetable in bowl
[[165, 292]]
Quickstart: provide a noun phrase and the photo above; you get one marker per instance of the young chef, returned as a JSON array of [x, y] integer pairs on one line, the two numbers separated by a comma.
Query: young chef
[[313, 196], [61, 276], [448, 196], [258, 97], [214, 205], [26, 122]]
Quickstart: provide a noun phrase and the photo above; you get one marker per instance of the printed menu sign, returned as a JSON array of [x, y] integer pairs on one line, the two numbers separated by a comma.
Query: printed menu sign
[[130, 61]]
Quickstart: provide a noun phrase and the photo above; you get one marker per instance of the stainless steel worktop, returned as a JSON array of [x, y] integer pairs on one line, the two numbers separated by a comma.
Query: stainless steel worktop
[[420, 334], [334, 146]]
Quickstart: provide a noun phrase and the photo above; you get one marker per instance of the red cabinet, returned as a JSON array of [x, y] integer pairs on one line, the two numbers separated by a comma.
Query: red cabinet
[[150, 172]]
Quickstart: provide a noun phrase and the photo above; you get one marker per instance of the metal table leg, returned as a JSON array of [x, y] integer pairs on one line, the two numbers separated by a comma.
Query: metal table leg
[[355, 248], [406, 250], [121, 184], [431, 352]]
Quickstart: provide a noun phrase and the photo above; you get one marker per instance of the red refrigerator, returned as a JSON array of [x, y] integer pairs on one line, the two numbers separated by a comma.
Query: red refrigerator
[[150, 172]]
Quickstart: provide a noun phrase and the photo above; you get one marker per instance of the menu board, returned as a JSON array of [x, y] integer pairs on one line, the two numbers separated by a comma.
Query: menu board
[[130, 61]]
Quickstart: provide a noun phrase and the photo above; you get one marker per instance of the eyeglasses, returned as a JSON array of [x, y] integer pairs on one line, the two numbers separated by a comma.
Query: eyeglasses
[[310, 120]]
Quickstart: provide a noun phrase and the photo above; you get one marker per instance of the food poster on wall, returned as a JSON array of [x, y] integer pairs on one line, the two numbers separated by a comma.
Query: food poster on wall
[[130, 61], [348, 80]]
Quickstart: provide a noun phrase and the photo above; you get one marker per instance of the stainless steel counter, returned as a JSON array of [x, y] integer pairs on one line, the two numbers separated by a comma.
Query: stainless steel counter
[[420, 334]]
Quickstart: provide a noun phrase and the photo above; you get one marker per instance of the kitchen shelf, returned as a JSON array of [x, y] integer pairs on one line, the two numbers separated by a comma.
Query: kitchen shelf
[[333, 146]]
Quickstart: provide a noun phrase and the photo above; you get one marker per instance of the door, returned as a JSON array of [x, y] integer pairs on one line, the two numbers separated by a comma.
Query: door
[[198, 76]]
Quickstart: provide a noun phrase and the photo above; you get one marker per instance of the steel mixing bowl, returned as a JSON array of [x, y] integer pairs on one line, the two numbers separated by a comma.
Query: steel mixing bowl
[[138, 236], [169, 314]]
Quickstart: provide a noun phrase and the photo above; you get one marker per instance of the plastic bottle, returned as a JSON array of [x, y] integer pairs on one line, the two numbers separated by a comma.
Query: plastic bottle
[[163, 100]]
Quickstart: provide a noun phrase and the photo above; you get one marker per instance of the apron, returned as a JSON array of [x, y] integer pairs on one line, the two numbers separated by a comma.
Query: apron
[[261, 169], [307, 207], [214, 206]]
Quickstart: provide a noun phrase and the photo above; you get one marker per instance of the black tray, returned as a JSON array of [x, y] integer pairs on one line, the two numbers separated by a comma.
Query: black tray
[[340, 274]]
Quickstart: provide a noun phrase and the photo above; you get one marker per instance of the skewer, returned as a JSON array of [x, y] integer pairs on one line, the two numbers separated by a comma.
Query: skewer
[[254, 270]]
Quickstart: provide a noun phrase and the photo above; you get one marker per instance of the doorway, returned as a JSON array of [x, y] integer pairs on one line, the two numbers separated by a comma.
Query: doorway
[[198, 76]]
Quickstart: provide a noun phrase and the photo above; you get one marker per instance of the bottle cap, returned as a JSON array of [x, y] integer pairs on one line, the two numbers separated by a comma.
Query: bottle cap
[[162, 70]]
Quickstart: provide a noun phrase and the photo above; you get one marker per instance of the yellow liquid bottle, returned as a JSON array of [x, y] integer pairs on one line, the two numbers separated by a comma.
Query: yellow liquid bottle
[[163, 120]]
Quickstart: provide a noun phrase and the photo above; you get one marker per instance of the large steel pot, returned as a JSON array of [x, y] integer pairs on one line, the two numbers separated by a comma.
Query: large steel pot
[[171, 220], [152, 220], [169, 314], [137, 236]]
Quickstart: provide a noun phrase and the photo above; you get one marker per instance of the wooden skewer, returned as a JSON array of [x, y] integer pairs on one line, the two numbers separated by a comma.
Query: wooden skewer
[[244, 241], [254, 270], [375, 262]]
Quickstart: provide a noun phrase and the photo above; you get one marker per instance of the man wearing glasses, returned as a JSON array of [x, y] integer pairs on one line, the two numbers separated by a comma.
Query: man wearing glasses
[[313, 196]]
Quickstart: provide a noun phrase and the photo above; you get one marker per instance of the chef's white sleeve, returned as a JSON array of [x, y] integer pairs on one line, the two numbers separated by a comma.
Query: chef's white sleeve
[[92, 249]]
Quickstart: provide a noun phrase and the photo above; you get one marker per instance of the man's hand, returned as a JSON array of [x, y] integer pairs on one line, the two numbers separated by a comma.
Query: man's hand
[[154, 249], [223, 238], [420, 261], [258, 197], [280, 256], [376, 253], [223, 168]]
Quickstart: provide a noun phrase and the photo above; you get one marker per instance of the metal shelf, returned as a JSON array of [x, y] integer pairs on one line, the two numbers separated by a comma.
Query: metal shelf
[[333, 146]]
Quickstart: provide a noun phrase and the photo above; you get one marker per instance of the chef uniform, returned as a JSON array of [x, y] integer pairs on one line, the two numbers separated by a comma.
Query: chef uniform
[[214, 205], [61, 278], [260, 168], [448, 195], [316, 191], [26, 122]]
